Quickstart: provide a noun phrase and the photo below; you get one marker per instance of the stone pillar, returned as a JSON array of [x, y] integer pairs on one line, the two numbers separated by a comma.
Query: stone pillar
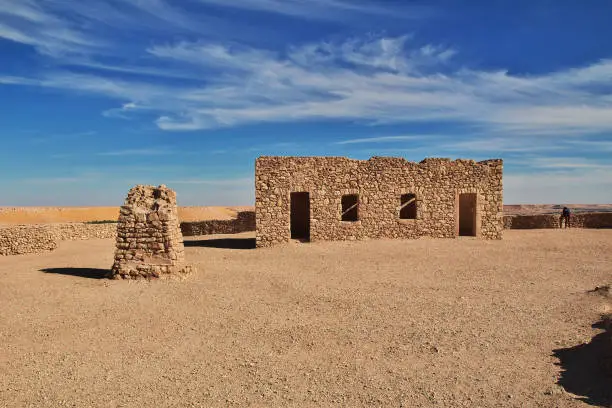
[[149, 240]]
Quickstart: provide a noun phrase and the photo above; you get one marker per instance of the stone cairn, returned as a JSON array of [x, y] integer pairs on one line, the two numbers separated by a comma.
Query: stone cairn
[[149, 240]]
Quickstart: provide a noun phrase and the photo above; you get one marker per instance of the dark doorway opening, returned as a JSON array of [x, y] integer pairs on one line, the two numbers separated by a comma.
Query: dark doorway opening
[[350, 208], [408, 208], [467, 214], [300, 216]]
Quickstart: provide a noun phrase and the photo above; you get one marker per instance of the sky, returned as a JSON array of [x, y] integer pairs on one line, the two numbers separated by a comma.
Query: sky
[[99, 95]]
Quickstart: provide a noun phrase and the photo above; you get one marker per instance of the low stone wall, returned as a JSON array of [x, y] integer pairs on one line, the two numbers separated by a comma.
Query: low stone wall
[[76, 231], [31, 239], [580, 220], [243, 223], [18, 240], [35, 238]]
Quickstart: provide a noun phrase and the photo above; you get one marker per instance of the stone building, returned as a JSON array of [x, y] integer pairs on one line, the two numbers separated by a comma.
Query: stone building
[[336, 198], [149, 240]]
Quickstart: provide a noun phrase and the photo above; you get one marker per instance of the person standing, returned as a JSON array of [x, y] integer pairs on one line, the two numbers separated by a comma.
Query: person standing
[[565, 216]]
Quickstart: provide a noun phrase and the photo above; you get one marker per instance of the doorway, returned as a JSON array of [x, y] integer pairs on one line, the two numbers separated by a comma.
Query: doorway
[[467, 214], [300, 216]]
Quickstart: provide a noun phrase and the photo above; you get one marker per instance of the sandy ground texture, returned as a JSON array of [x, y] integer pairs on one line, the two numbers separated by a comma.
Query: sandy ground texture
[[41, 215], [423, 323]]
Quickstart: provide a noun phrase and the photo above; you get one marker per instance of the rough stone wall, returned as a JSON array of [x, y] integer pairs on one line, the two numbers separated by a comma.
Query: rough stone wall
[[579, 220], [379, 182], [244, 222], [149, 240], [35, 238], [25, 239], [76, 231]]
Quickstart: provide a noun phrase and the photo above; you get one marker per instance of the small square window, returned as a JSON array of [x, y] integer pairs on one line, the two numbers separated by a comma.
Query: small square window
[[350, 207], [408, 208]]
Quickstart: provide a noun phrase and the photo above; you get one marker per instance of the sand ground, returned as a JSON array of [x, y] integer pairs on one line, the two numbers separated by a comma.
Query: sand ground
[[42, 215], [423, 323]]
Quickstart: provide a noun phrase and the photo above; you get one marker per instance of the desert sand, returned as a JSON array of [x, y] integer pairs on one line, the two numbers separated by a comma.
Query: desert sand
[[42, 215], [423, 323]]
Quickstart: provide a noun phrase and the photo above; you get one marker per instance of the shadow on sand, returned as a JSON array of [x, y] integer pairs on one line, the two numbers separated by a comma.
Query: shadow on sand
[[587, 368], [223, 243], [91, 273]]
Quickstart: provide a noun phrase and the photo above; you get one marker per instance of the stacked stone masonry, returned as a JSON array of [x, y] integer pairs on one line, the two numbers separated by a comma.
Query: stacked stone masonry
[[149, 240], [379, 184], [541, 221], [245, 221], [36, 238], [76, 231], [26, 239]]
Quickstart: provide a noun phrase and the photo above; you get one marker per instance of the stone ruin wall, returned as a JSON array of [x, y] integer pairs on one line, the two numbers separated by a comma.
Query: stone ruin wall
[[38, 238], [26, 239], [379, 182], [77, 231], [149, 240], [543, 221], [245, 221]]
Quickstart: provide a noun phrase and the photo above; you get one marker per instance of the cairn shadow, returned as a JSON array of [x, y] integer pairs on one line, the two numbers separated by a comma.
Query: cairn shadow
[[90, 273], [223, 243], [587, 369]]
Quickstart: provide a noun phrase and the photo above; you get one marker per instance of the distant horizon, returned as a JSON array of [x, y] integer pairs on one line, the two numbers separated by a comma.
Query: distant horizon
[[253, 205], [105, 94]]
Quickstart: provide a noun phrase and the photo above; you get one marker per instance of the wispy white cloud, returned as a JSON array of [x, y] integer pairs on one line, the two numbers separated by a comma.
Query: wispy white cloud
[[567, 163], [325, 9], [533, 153], [502, 145], [76, 30], [13, 80], [122, 112], [381, 84], [375, 80], [385, 84], [385, 139], [590, 146], [28, 22], [139, 152]]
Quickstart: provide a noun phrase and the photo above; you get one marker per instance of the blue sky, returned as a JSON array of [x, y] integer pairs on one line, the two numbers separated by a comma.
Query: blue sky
[[99, 95]]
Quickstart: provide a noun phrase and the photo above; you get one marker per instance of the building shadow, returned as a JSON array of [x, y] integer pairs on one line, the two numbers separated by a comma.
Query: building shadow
[[91, 273], [223, 243], [587, 369]]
